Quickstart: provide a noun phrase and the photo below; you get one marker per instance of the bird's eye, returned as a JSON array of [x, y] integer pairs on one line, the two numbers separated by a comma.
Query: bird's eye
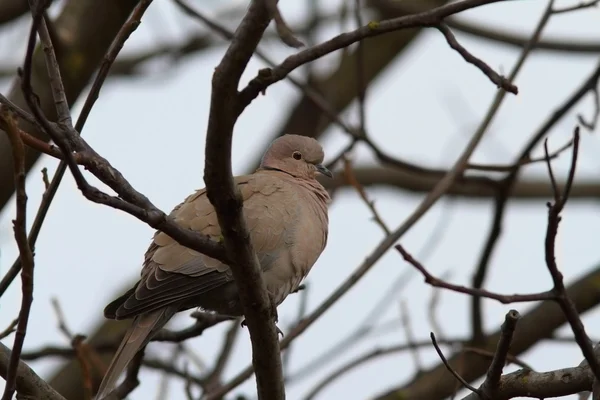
[[297, 155]]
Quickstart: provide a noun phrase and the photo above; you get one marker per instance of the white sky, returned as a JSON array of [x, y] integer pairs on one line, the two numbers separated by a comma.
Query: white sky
[[423, 108]]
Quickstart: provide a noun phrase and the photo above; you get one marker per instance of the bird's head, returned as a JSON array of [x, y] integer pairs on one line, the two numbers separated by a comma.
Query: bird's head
[[299, 156]]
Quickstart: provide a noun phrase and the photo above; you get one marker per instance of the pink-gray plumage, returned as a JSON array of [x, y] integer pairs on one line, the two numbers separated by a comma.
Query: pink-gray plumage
[[285, 209]]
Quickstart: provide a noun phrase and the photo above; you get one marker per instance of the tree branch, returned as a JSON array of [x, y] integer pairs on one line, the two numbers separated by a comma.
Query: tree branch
[[28, 383], [25, 252], [267, 77], [260, 313]]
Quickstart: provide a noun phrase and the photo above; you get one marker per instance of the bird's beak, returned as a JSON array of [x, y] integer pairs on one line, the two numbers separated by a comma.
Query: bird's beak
[[323, 170]]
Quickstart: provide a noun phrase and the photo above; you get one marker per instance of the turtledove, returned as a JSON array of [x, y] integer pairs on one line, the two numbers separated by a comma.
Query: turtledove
[[285, 209]]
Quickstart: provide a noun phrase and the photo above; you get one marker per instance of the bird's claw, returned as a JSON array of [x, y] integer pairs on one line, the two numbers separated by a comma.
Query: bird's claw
[[274, 315], [279, 331]]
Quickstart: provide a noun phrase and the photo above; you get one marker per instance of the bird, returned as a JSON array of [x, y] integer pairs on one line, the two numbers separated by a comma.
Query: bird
[[285, 209]]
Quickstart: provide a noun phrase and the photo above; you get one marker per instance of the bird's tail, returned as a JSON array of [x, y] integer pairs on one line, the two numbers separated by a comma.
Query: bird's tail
[[137, 336]]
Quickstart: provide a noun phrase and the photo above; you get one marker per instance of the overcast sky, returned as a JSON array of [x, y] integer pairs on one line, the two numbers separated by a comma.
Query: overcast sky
[[423, 108]]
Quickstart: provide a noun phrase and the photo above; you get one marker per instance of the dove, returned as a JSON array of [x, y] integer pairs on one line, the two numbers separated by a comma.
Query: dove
[[285, 209]]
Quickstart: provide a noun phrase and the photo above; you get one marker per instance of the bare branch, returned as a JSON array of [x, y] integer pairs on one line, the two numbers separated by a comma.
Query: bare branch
[[25, 252], [57, 178], [491, 385], [502, 298], [578, 7], [500, 81], [367, 357], [429, 18], [259, 310], [283, 30], [203, 322], [349, 175], [449, 367], [591, 125], [9, 329], [541, 385], [566, 304], [28, 383]]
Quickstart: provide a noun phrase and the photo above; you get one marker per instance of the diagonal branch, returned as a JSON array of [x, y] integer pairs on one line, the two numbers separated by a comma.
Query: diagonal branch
[[267, 77], [500, 81], [130, 25], [28, 383]]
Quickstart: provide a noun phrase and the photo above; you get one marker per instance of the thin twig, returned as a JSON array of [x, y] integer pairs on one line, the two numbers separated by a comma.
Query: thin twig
[[424, 19], [45, 179], [283, 30], [490, 354], [492, 381], [349, 175], [77, 342], [433, 306], [591, 125], [525, 161], [449, 367], [360, 74], [410, 337], [500, 81], [25, 252], [369, 356], [563, 299], [577, 7], [9, 329], [502, 298]]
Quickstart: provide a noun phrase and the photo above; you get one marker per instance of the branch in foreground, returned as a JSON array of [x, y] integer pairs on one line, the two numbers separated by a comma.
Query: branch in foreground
[[541, 385], [51, 188], [225, 197], [28, 383], [129, 200], [437, 192], [267, 77], [25, 253], [491, 385]]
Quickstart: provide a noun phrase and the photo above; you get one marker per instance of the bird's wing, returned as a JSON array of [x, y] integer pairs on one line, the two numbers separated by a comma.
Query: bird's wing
[[173, 272]]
